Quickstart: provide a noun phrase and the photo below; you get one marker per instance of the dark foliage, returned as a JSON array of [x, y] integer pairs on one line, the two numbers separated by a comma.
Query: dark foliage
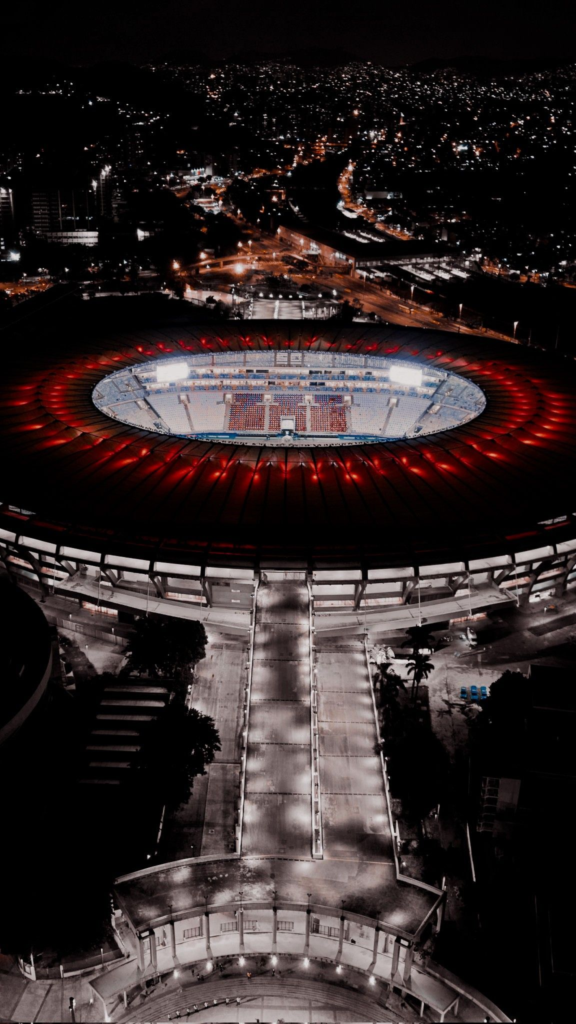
[[165, 647], [180, 746]]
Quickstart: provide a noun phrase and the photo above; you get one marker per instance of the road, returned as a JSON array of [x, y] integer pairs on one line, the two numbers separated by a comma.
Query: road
[[267, 256]]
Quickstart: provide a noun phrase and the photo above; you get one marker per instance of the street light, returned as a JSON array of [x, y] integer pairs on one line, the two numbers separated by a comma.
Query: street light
[[516, 322]]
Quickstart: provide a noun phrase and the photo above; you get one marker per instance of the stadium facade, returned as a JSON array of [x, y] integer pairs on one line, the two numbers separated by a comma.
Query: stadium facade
[[124, 516]]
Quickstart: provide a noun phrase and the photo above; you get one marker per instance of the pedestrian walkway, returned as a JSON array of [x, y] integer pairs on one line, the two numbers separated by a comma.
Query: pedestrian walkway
[[354, 811], [277, 808], [267, 999], [45, 1002]]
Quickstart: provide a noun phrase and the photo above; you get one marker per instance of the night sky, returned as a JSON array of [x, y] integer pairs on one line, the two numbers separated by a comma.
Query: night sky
[[390, 32]]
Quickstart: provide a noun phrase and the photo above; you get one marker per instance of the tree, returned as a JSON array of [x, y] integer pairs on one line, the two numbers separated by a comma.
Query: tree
[[419, 767], [388, 683], [419, 637], [176, 750], [419, 667], [507, 700], [345, 312], [165, 647], [501, 721]]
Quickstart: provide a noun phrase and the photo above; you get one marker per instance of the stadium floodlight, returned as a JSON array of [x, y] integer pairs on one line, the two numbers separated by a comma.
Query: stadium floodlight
[[406, 375], [168, 372]]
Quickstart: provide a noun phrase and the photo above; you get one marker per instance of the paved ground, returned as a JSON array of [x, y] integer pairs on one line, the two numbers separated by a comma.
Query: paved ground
[[204, 826], [277, 840], [45, 1001], [103, 656], [277, 813], [354, 809]]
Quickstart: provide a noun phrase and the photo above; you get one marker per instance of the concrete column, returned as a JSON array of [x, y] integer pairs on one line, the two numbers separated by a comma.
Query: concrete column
[[408, 963], [241, 928], [274, 927], [208, 950], [375, 947], [172, 934], [359, 593], [395, 956], [341, 937], [140, 958], [206, 590], [439, 917], [153, 951], [307, 939]]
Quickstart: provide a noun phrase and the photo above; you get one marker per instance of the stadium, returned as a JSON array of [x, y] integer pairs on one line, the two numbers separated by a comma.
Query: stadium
[[394, 466], [300, 493]]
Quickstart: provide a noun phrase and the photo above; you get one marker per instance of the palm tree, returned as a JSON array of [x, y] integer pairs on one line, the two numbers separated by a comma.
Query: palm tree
[[419, 667]]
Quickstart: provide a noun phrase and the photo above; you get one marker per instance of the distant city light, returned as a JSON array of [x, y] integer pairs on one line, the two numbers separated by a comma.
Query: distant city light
[[239, 268], [172, 371], [406, 375]]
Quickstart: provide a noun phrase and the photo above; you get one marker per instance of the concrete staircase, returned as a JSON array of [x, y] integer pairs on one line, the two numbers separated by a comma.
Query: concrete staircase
[[126, 711]]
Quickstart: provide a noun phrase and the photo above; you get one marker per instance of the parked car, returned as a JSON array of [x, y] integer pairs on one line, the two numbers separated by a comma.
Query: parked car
[[474, 693], [483, 693], [464, 693]]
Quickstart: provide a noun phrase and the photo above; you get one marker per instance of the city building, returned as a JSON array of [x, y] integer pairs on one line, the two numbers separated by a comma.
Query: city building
[[71, 215], [7, 228]]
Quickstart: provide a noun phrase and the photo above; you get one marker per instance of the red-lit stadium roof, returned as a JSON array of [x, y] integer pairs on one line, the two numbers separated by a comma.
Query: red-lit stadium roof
[[99, 484]]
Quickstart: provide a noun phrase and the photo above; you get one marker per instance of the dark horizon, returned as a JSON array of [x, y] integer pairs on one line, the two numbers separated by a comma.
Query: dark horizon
[[148, 32]]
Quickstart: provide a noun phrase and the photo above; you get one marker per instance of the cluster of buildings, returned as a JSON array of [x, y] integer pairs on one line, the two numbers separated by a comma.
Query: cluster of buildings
[[458, 155]]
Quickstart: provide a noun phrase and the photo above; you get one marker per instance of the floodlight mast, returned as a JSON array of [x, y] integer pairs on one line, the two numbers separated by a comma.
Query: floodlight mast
[[410, 375], [169, 372]]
